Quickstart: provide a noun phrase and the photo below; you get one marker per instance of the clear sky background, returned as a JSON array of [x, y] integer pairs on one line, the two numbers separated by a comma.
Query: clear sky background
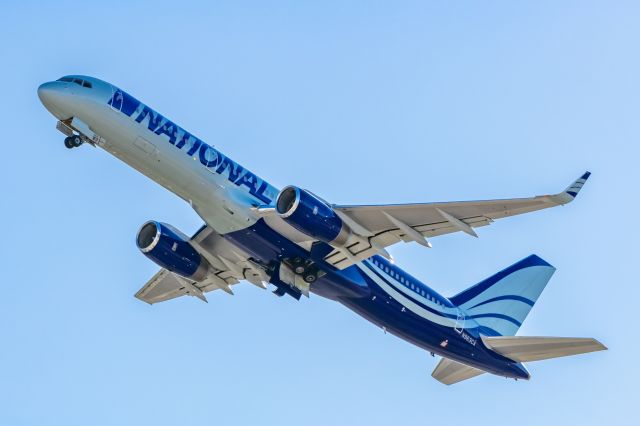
[[362, 102]]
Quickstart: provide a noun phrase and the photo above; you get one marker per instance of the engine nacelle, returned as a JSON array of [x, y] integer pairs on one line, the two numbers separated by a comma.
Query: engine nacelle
[[311, 216], [171, 249]]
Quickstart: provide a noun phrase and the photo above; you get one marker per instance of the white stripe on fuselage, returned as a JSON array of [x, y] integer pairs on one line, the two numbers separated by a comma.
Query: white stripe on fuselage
[[409, 303]]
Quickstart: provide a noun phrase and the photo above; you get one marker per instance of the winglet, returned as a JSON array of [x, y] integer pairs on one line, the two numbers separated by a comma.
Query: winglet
[[574, 188], [571, 192]]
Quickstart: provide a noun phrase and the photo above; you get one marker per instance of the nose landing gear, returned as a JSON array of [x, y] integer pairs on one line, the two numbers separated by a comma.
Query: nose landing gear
[[73, 141]]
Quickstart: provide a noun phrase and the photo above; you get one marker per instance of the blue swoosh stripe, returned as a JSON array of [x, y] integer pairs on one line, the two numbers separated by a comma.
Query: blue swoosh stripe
[[505, 297], [468, 294], [500, 316]]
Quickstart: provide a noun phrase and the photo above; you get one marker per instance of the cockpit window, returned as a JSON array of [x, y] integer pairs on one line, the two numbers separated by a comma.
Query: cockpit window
[[78, 81]]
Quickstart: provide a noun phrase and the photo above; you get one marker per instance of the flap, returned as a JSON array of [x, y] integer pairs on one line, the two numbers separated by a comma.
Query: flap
[[164, 285]]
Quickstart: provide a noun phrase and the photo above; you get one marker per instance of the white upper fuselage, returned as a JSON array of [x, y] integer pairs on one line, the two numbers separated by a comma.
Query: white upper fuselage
[[221, 191]]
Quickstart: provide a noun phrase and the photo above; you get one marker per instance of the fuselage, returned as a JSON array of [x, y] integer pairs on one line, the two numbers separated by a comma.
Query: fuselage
[[226, 196]]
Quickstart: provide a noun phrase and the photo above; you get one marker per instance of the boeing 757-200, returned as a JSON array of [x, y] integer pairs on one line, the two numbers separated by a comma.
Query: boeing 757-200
[[299, 243]]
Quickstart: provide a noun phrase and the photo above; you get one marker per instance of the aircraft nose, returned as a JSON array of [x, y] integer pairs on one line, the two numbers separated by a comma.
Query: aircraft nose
[[48, 92], [53, 95]]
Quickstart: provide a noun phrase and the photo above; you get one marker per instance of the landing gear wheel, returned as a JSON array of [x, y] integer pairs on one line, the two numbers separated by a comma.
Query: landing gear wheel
[[310, 275], [298, 265], [73, 141]]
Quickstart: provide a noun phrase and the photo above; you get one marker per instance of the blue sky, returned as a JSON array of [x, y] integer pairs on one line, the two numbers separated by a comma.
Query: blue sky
[[362, 102]]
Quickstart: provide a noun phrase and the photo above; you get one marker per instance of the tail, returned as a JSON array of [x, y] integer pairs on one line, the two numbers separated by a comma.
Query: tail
[[501, 303]]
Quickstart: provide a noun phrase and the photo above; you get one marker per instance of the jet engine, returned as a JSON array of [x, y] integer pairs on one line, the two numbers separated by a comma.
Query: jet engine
[[170, 249], [311, 215]]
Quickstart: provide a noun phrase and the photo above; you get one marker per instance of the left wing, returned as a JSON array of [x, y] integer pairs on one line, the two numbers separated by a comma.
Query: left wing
[[379, 226], [229, 268]]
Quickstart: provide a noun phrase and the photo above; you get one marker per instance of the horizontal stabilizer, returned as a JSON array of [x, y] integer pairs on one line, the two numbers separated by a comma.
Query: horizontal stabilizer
[[449, 372], [524, 348]]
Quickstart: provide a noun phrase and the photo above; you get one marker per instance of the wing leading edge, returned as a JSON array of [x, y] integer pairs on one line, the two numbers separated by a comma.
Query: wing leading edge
[[379, 226]]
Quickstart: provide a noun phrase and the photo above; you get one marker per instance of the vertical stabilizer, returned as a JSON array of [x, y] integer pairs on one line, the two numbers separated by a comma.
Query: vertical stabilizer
[[501, 302]]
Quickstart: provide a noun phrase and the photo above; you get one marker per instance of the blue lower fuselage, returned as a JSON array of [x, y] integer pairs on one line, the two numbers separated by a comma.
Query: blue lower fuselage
[[360, 288]]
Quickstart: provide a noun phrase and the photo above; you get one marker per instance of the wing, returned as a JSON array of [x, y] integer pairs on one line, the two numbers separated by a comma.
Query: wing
[[229, 268], [525, 348], [449, 372], [378, 226]]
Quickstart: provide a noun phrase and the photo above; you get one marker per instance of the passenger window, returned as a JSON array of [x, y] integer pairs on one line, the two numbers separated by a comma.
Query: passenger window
[[86, 84]]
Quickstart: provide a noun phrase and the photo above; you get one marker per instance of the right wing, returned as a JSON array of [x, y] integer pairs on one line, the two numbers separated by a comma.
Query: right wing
[[229, 268], [449, 372]]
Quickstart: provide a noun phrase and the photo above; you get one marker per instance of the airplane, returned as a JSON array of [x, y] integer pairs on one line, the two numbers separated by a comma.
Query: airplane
[[299, 243]]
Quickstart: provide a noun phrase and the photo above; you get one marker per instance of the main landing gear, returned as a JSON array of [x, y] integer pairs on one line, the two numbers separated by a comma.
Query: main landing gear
[[73, 141], [307, 270]]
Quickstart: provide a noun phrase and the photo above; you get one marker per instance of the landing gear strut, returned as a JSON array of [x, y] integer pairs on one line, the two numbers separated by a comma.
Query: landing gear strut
[[73, 141]]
